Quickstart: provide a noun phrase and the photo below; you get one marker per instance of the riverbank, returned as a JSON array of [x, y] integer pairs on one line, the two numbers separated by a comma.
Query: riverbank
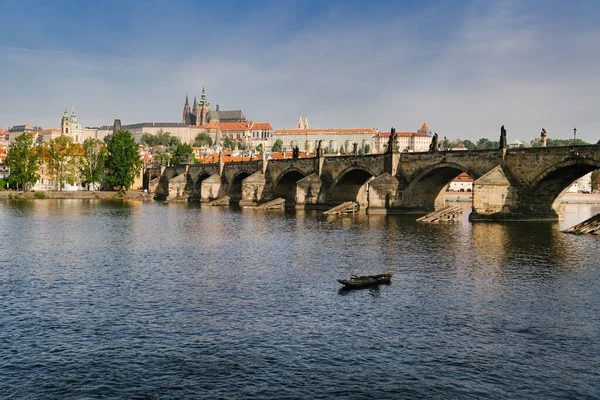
[[79, 194], [570, 198]]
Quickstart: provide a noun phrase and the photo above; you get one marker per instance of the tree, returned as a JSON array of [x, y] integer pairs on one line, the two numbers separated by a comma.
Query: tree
[[92, 162], [277, 145], [174, 141], [123, 161], [183, 152], [161, 158], [342, 150], [61, 158], [228, 143], [163, 138], [367, 148], [486, 144], [149, 139], [202, 139], [23, 159], [3, 183], [259, 148], [468, 144]]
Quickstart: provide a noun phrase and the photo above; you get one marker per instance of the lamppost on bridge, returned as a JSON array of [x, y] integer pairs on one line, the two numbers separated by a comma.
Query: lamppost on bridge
[[574, 135]]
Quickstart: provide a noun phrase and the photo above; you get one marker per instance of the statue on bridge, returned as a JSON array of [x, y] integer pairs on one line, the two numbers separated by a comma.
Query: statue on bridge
[[320, 149], [434, 146], [296, 152], [392, 144], [355, 148], [502, 138], [543, 138]]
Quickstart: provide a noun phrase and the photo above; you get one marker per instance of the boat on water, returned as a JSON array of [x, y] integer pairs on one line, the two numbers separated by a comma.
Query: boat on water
[[356, 282]]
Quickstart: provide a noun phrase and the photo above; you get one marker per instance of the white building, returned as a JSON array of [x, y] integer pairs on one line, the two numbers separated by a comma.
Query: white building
[[332, 140], [407, 141]]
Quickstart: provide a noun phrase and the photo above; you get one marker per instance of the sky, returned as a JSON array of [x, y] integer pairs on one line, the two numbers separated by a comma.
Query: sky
[[464, 67]]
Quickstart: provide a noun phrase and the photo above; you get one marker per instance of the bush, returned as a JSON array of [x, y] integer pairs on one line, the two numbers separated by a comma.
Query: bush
[[39, 195]]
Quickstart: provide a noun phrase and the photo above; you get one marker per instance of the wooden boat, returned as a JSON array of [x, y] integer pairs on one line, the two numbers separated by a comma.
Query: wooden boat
[[356, 282]]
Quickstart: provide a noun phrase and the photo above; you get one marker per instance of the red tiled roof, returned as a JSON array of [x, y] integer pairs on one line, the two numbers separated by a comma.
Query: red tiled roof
[[424, 127], [262, 125], [463, 177]]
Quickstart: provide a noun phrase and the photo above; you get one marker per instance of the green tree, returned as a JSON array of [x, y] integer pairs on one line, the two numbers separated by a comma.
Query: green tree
[[342, 150], [202, 139], [277, 145], [486, 144], [92, 162], [61, 158], [468, 144], [163, 138], [3, 183], [161, 158], [367, 148], [259, 148], [228, 143], [149, 139], [123, 162], [183, 153], [174, 141], [23, 159]]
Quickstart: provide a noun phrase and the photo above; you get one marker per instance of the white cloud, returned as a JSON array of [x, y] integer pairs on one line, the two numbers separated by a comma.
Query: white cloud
[[491, 66]]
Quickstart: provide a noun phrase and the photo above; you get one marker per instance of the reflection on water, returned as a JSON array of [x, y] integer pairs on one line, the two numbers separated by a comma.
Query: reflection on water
[[143, 300]]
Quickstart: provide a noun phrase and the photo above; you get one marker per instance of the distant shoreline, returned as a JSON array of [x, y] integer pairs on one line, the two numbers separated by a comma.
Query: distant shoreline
[[570, 198], [76, 194]]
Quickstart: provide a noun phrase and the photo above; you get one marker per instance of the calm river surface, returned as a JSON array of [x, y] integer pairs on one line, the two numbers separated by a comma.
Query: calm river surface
[[102, 299]]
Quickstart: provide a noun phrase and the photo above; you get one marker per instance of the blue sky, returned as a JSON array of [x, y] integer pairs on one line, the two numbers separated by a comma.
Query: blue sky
[[464, 67]]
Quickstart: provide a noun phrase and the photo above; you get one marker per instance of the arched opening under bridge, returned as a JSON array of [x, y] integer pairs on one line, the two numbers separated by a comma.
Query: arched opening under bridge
[[351, 186], [286, 187]]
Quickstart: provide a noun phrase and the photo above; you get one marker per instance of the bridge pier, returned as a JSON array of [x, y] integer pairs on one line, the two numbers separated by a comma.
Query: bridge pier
[[307, 190], [382, 194], [255, 190], [210, 188]]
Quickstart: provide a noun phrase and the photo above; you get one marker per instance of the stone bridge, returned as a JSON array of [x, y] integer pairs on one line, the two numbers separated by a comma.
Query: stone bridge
[[510, 184]]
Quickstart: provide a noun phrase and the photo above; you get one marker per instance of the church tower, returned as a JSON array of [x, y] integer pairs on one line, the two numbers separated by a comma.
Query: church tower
[[187, 118], [306, 122], [65, 123], [202, 109], [300, 124]]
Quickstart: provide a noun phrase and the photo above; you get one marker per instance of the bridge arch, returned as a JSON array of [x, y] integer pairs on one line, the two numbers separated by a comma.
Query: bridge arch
[[235, 188], [285, 185], [426, 190], [351, 185], [197, 185], [544, 194]]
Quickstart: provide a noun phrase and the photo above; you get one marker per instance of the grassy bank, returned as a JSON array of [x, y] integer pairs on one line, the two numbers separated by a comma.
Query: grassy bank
[[80, 194]]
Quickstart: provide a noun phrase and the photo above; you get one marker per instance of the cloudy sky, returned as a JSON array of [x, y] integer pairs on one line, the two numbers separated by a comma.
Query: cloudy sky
[[464, 67]]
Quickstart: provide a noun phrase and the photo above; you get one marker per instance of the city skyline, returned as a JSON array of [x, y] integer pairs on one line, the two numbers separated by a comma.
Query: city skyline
[[465, 68]]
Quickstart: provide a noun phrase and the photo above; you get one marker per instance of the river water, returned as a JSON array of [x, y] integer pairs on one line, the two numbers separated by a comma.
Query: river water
[[102, 299]]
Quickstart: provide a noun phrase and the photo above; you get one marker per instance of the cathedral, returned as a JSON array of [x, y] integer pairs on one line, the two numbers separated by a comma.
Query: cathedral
[[200, 113]]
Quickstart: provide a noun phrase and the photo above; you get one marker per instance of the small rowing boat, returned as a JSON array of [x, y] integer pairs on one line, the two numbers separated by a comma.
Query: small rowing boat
[[356, 282]]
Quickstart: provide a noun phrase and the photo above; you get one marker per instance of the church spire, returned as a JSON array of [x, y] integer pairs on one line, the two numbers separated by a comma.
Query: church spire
[[186, 118], [195, 102], [300, 124], [217, 105], [203, 98], [306, 122]]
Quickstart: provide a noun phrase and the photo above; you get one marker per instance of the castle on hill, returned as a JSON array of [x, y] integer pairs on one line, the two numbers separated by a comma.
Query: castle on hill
[[200, 114]]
